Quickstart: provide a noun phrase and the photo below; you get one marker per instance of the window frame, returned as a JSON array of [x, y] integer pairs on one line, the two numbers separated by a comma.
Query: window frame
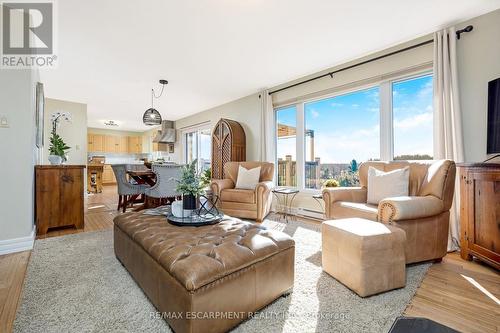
[[194, 129], [385, 118]]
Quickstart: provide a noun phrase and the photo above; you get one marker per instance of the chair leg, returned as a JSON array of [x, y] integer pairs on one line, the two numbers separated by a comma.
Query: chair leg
[[119, 202], [125, 202]]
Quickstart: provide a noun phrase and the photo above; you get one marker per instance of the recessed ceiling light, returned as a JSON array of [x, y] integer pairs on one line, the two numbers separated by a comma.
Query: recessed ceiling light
[[110, 123]]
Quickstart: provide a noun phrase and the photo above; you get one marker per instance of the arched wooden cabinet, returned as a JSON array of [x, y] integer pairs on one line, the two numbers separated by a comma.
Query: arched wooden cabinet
[[228, 144]]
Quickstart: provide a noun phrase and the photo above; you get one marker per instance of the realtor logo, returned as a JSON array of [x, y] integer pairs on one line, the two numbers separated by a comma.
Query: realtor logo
[[27, 34]]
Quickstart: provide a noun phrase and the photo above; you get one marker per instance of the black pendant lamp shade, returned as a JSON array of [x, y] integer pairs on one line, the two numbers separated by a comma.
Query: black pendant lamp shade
[[152, 117]]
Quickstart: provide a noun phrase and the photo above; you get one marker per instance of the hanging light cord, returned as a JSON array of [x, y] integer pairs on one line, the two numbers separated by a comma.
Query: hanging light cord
[[153, 96]]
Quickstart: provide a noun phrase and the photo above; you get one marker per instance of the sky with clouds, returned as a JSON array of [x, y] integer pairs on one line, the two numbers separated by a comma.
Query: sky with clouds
[[347, 127]]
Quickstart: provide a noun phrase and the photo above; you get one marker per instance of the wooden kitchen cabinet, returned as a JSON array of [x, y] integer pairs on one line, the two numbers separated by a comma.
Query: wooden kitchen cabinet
[[135, 144], [95, 142], [480, 212], [108, 176], [110, 144], [58, 196]]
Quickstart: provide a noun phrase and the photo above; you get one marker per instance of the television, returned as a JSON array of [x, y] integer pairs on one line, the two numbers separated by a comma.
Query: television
[[493, 141]]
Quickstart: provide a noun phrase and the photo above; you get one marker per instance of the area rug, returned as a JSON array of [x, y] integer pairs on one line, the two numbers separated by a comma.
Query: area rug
[[75, 284]]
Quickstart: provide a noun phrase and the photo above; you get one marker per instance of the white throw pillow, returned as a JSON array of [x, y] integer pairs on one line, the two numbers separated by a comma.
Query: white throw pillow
[[247, 179], [383, 185]]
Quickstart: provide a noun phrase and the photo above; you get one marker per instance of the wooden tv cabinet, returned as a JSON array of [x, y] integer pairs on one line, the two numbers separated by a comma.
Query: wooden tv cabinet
[[480, 212]]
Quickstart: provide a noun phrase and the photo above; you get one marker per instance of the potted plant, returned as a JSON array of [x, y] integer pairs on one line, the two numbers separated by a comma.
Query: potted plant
[[189, 185], [58, 148]]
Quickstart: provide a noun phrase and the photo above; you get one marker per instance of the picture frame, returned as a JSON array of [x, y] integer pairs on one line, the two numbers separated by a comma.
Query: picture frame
[[39, 114]]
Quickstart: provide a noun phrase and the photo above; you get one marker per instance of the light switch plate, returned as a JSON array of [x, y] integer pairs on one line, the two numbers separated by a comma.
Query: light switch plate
[[4, 122]]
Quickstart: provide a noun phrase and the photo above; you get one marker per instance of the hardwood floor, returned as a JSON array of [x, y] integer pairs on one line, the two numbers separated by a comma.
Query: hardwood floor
[[460, 294]]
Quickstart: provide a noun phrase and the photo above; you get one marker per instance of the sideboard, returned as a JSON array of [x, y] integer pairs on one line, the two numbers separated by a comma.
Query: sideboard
[[58, 196], [480, 212]]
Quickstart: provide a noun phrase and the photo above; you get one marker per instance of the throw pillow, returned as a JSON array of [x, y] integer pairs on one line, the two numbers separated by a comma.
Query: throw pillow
[[247, 179], [383, 185]]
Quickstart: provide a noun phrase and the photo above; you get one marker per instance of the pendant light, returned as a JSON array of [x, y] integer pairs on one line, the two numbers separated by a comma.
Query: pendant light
[[152, 117]]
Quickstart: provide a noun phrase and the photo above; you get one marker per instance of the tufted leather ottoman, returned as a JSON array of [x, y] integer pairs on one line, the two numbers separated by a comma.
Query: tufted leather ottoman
[[205, 279]]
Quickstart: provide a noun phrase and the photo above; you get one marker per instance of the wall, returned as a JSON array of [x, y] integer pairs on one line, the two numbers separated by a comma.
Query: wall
[[245, 110], [73, 133], [478, 55], [18, 153]]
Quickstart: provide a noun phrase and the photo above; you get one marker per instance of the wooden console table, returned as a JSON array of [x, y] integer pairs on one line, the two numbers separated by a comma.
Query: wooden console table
[[480, 212], [59, 196]]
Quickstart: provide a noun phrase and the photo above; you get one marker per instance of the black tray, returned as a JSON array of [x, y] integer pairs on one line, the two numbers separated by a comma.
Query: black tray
[[195, 220]]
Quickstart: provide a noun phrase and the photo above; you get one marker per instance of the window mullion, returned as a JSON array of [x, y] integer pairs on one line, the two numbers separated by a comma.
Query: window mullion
[[386, 130], [300, 142]]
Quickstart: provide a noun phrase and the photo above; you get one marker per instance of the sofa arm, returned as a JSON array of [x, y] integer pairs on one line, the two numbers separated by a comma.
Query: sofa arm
[[264, 187], [264, 199], [350, 194], [217, 185], [409, 208]]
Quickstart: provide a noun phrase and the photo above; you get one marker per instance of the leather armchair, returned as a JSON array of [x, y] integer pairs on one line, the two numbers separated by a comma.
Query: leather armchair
[[424, 214], [251, 204]]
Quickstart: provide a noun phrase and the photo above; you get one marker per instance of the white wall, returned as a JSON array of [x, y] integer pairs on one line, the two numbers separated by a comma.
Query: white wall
[[245, 110], [478, 55], [73, 133], [18, 154]]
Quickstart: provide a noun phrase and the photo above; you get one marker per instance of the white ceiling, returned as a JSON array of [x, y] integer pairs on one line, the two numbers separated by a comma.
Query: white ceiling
[[111, 53]]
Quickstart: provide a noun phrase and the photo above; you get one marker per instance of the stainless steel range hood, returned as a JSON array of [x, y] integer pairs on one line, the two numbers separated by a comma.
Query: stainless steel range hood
[[166, 134]]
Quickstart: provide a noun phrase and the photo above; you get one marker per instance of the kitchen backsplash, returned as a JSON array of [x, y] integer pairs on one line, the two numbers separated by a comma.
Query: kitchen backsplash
[[112, 158]]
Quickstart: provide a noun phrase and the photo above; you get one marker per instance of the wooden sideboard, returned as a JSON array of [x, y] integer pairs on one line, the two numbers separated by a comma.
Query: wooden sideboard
[[58, 196], [480, 212]]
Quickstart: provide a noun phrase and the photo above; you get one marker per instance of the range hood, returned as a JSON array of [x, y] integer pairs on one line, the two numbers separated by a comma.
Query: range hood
[[166, 134]]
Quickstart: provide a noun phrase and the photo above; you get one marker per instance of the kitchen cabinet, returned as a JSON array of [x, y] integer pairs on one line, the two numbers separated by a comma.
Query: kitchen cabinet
[[135, 144], [108, 176], [115, 144], [95, 142]]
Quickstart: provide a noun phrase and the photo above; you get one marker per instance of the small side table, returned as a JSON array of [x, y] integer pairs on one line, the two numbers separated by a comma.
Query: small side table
[[319, 200], [285, 198]]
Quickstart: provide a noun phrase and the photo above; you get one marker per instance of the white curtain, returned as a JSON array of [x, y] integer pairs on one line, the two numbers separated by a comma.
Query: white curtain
[[266, 127], [448, 140]]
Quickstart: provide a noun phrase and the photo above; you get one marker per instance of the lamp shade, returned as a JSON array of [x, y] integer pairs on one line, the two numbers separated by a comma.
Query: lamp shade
[[151, 117]]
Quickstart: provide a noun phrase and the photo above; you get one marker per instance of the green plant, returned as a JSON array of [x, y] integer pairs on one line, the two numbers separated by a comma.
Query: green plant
[[353, 166], [190, 182], [206, 177], [58, 146], [331, 183]]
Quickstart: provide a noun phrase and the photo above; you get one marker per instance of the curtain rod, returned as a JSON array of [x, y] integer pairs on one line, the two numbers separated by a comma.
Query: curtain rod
[[330, 74]]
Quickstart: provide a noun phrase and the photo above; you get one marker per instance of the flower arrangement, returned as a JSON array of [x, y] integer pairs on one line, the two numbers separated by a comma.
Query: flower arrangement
[[58, 148], [331, 183]]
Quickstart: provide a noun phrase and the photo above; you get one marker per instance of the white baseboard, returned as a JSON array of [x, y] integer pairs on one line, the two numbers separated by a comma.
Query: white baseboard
[[17, 244]]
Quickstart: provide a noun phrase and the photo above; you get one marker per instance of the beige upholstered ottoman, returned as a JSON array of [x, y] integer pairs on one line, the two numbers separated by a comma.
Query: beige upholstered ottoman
[[366, 256]]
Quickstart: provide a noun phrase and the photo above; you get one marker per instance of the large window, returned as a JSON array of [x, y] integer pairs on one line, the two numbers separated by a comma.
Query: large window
[[412, 119], [339, 133], [198, 146], [326, 139], [286, 146]]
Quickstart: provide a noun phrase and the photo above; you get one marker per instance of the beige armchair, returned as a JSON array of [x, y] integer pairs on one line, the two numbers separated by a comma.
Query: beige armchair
[[424, 215], [250, 204]]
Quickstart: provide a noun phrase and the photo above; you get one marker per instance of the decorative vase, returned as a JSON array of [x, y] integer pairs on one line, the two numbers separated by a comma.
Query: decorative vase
[[189, 202], [55, 159], [177, 208]]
